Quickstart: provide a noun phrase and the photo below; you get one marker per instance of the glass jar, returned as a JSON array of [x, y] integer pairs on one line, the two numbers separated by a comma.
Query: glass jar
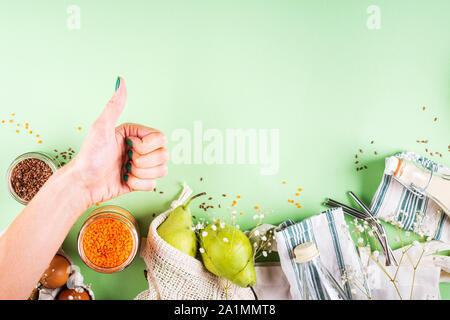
[[118, 214], [46, 158]]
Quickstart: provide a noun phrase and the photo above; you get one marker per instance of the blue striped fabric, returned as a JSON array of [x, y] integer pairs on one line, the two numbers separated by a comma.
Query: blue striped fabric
[[337, 252], [415, 214]]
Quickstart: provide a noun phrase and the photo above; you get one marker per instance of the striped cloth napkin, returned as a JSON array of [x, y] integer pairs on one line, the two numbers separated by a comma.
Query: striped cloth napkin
[[338, 253], [395, 203]]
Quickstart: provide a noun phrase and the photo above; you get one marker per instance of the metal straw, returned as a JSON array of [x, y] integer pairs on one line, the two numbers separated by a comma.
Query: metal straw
[[381, 238]]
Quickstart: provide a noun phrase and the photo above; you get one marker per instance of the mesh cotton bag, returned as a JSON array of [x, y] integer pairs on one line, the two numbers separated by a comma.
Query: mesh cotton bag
[[174, 275]]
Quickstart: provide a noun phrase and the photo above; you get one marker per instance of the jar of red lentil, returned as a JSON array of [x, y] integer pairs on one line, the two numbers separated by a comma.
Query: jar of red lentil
[[108, 240], [28, 173]]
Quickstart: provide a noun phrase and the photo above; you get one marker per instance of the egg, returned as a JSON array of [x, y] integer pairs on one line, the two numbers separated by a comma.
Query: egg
[[57, 273], [74, 294]]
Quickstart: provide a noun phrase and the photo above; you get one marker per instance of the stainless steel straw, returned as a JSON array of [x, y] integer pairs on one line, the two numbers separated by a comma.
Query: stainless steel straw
[[380, 233], [389, 254]]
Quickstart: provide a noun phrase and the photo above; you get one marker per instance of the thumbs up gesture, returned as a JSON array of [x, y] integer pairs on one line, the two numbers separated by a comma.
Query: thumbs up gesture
[[117, 160]]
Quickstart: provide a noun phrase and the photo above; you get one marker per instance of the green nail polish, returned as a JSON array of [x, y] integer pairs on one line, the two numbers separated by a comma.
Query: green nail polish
[[130, 154], [125, 177], [128, 166], [117, 83], [129, 142]]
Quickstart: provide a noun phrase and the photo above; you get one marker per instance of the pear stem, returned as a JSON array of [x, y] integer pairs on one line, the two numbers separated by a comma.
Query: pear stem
[[196, 196]]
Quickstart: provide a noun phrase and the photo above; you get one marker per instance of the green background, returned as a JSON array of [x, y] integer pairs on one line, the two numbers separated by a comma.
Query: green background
[[311, 69]]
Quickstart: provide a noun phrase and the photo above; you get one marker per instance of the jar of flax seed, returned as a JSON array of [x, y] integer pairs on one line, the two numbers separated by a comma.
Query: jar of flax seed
[[28, 173]]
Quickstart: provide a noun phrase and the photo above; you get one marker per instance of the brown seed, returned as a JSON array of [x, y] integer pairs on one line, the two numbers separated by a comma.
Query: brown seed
[[28, 176]]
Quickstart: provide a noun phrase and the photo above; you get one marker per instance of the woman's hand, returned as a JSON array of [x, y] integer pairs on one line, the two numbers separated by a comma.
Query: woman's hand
[[116, 160], [111, 162]]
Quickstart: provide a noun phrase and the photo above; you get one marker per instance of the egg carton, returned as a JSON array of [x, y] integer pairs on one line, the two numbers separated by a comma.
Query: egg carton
[[74, 281]]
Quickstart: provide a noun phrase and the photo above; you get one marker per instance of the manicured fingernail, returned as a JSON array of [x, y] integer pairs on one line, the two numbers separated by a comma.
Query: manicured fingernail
[[128, 166], [117, 83], [129, 142], [130, 154], [125, 177]]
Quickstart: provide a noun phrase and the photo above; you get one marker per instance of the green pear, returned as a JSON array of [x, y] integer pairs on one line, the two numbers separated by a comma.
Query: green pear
[[226, 252], [177, 229]]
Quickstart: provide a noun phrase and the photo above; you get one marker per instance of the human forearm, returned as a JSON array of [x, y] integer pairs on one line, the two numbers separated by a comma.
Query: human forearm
[[35, 235]]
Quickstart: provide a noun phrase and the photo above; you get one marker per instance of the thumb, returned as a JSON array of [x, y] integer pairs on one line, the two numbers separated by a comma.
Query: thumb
[[111, 113]]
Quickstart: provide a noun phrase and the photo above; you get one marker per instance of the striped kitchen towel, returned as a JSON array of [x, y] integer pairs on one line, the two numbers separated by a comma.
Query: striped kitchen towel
[[395, 203], [338, 253]]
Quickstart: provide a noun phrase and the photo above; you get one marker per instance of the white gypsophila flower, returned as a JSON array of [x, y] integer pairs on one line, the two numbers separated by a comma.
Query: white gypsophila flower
[[204, 233], [429, 239], [255, 244], [264, 253], [360, 228], [222, 225], [79, 289], [261, 216], [200, 226], [255, 217], [225, 240], [263, 238], [214, 227], [256, 233], [202, 250], [376, 254], [360, 240], [193, 228], [237, 226]]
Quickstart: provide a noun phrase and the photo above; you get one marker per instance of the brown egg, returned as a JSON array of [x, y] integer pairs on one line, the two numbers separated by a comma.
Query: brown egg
[[74, 294], [57, 273]]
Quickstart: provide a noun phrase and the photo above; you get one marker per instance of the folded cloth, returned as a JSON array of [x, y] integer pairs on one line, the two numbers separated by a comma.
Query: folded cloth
[[271, 283], [395, 203], [419, 284], [338, 253]]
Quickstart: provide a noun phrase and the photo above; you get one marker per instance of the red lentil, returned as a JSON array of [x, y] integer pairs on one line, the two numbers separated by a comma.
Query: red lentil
[[107, 243]]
